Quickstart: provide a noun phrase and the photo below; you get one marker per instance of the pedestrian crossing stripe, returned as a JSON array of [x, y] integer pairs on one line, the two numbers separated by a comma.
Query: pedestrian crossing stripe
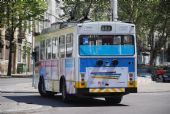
[[106, 90]]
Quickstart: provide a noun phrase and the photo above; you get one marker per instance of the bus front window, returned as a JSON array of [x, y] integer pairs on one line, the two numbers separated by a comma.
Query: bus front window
[[90, 45]]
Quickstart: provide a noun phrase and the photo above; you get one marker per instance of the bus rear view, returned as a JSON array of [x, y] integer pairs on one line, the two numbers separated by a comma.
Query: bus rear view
[[106, 60]]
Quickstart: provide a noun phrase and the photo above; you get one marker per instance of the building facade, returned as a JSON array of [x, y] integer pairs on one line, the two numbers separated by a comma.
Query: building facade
[[24, 41], [50, 16]]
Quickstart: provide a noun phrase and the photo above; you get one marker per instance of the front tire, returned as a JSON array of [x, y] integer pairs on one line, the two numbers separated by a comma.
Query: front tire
[[113, 100]]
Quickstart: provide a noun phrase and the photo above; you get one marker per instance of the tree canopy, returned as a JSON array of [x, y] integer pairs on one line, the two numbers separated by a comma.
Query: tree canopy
[[15, 14], [152, 19], [79, 10]]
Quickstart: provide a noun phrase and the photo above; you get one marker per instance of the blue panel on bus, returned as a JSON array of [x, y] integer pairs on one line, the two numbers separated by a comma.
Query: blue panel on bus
[[107, 62], [107, 49]]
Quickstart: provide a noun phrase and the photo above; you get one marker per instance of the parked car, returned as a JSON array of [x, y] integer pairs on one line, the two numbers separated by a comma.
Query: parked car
[[161, 75]]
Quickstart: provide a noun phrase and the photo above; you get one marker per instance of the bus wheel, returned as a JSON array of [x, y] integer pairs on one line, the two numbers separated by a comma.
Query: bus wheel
[[64, 92], [113, 100]]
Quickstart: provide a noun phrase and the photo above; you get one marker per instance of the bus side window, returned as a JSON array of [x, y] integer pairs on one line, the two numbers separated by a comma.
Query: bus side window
[[69, 45], [54, 48], [62, 46], [48, 49], [42, 50]]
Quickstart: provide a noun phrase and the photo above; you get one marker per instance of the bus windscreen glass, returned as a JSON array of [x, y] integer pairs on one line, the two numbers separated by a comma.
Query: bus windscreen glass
[[93, 45]]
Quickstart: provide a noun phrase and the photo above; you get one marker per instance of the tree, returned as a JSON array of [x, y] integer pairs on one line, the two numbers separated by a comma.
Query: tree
[[151, 17], [15, 13], [101, 10], [134, 11], [92, 9], [26, 52], [158, 24]]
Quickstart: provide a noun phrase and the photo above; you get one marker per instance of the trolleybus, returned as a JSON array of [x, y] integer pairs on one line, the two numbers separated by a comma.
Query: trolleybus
[[93, 59]]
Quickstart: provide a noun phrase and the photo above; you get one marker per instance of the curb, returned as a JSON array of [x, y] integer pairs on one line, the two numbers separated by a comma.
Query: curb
[[18, 92], [3, 76], [16, 76], [166, 91]]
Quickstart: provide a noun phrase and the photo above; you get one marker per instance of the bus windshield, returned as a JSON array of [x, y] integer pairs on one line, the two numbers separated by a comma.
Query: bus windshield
[[90, 45]]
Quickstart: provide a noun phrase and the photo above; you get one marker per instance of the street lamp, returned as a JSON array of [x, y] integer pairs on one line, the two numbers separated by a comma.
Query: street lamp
[[162, 54], [114, 10]]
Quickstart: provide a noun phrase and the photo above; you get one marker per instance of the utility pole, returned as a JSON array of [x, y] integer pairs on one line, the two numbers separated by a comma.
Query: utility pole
[[32, 50], [114, 10]]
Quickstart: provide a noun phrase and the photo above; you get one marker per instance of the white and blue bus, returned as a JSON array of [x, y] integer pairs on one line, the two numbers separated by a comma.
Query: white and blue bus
[[93, 59]]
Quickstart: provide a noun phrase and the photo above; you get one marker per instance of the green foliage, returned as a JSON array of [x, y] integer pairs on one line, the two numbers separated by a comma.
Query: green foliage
[[26, 50], [101, 10], [15, 13], [150, 17], [75, 10]]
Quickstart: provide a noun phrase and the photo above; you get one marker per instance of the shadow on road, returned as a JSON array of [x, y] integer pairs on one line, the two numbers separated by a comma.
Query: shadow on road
[[56, 101]]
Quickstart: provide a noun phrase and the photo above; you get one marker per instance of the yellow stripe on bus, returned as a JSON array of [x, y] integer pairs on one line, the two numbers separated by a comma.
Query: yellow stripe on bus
[[80, 84], [106, 90], [132, 83]]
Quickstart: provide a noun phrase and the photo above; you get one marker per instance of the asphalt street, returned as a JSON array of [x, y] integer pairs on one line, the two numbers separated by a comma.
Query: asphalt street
[[141, 103], [21, 98]]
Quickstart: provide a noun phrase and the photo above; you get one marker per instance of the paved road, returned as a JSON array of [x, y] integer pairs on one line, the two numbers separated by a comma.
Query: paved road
[[18, 97], [144, 103], [141, 103]]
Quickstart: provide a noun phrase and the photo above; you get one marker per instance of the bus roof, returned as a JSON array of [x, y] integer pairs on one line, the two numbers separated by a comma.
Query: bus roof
[[103, 28], [55, 33], [87, 28]]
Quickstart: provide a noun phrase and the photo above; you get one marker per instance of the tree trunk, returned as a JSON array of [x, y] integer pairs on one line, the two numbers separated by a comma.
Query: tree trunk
[[10, 54], [153, 56], [14, 61]]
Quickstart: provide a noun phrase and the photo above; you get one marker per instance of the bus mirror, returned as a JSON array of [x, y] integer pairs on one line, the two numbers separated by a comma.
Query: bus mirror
[[34, 55]]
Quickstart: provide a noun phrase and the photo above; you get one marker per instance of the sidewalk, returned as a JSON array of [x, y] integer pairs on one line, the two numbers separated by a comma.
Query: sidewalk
[[18, 88], [146, 85], [22, 75]]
